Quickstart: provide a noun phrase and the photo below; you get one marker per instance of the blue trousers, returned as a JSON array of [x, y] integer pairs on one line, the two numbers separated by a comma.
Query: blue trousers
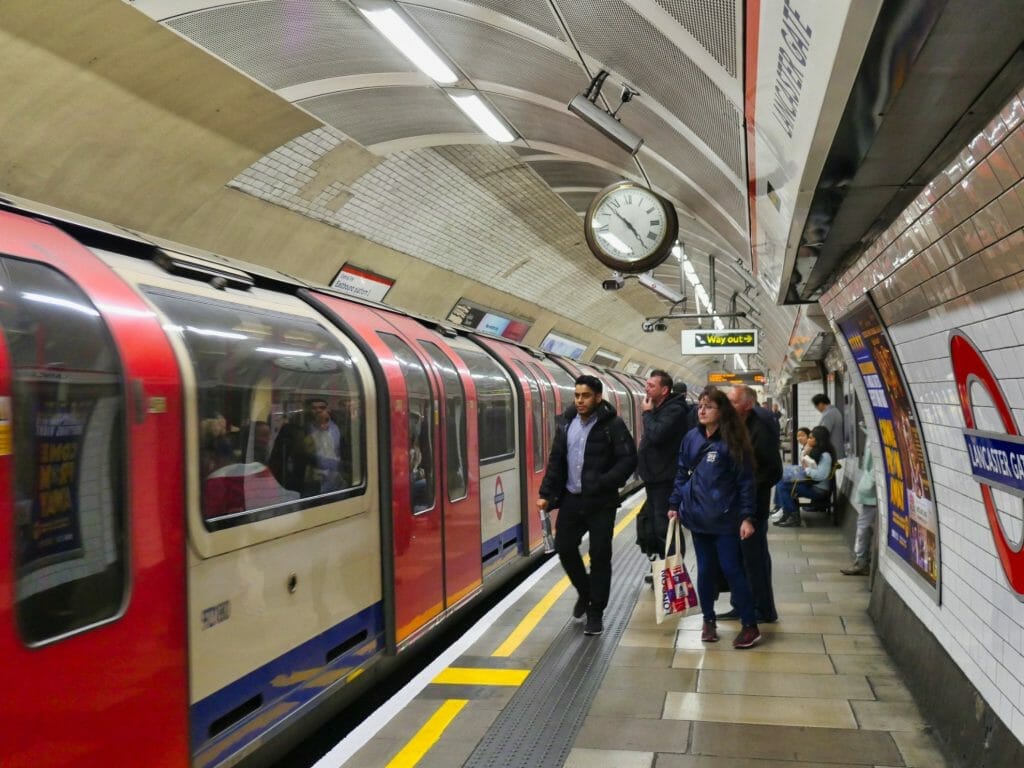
[[785, 496], [716, 551]]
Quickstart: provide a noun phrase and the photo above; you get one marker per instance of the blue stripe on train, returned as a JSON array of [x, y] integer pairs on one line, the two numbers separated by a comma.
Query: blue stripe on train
[[289, 681], [502, 543]]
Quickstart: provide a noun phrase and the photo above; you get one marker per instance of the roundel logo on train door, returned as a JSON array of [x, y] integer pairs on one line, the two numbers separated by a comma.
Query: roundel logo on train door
[[970, 368], [499, 497]]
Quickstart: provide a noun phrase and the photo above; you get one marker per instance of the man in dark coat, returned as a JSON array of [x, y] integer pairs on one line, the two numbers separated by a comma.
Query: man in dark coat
[[665, 422], [592, 456], [764, 437]]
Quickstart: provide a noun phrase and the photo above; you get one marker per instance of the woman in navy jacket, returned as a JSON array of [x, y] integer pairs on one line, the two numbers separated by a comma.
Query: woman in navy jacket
[[714, 498]]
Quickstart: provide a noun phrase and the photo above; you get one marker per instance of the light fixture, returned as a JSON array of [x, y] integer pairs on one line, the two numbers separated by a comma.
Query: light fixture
[[390, 24], [477, 111]]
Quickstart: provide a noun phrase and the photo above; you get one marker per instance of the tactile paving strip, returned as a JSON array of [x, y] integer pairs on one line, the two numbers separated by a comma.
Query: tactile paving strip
[[540, 723]]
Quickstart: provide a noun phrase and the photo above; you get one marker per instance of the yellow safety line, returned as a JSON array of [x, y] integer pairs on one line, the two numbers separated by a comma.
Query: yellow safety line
[[481, 676], [532, 619], [431, 732], [428, 735]]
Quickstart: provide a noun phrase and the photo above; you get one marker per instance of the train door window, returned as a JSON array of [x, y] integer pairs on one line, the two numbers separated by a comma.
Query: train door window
[[495, 412], [625, 400], [67, 416], [455, 423], [421, 424], [536, 418], [281, 409], [564, 382], [550, 411]]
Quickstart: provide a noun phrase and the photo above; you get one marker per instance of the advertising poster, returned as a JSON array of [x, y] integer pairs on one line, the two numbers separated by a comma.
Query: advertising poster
[[52, 531], [471, 315], [913, 525]]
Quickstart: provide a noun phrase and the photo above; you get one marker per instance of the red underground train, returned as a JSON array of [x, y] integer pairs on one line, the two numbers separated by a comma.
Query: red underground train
[[229, 501]]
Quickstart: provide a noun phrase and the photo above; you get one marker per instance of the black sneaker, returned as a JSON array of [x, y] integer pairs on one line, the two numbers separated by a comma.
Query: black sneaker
[[730, 615], [594, 624], [581, 607]]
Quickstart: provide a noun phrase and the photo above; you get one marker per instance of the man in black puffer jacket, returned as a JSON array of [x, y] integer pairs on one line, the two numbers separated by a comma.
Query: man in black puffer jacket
[[665, 422], [592, 456]]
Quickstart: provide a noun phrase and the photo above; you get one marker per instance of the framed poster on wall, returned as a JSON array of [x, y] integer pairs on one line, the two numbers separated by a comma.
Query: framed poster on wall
[[913, 523]]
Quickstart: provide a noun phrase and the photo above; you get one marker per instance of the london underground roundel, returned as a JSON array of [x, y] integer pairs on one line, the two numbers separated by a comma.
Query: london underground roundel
[[997, 459]]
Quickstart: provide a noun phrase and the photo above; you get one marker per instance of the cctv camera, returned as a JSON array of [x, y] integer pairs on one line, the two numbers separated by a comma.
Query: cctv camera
[[660, 326], [647, 326], [605, 123], [613, 283]]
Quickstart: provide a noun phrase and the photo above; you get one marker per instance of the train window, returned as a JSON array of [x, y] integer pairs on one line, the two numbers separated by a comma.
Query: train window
[[495, 412], [421, 424], [67, 414], [565, 383], [281, 409], [550, 411], [536, 419], [455, 423]]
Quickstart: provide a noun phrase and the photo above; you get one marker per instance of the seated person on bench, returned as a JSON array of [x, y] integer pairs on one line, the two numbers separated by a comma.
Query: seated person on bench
[[812, 482]]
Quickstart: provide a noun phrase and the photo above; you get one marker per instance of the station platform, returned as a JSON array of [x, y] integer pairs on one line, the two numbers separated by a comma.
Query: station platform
[[527, 688]]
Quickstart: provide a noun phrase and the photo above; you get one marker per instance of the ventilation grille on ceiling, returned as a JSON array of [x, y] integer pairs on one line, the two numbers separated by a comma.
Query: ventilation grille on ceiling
[[614, 34], [534, 13], [486, 53], [282, 43], [712, 23], [375, 115], [563, 174]]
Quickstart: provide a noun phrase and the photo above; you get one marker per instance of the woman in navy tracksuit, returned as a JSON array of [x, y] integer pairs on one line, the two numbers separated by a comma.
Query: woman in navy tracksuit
[[714, 498]]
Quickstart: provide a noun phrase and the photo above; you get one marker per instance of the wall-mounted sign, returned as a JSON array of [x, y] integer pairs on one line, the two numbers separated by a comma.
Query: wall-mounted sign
[[561, 345], [471, 315], [362, 283], [750, 378], [736, 341], [913, 518], [605, 358], [632, 367], [996, 454]]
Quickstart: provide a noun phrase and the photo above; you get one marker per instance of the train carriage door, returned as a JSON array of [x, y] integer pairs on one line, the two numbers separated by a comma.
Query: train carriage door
[[537, 455], [461, 486], [418, 522], [93, 574]]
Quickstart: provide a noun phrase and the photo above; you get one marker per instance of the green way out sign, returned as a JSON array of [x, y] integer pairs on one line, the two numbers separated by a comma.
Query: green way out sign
[[735, 341]]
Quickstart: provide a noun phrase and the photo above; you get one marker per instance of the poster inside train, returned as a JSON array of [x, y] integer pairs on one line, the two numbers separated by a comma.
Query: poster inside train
[[913, 527]]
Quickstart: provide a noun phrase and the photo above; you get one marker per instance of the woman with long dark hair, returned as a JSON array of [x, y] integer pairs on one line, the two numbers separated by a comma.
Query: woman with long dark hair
[[814, 481], [714, 498]]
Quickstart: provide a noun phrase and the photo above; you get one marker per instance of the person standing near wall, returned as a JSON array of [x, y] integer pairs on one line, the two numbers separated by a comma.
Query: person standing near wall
[[867, 496], [832, 420]]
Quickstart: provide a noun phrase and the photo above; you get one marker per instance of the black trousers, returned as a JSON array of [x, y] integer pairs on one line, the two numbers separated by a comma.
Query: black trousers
[[573, 522], [757, 562], [657, 508]]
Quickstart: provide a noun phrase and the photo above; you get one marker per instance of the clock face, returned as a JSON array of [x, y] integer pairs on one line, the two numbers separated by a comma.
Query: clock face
[[630, 228]]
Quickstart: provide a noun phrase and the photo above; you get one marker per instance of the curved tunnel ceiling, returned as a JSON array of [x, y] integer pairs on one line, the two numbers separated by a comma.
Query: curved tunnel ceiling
[[509, 216]]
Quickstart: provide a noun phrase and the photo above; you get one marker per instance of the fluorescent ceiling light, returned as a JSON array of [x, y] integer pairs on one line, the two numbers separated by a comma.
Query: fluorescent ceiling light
[[410, 45], [480, 114]]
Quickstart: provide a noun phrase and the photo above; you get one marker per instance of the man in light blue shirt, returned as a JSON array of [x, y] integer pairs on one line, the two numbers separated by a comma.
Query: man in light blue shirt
[[592, 456]]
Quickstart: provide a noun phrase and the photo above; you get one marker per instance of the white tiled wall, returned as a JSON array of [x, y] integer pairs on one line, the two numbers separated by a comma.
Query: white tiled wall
[[955, 260]]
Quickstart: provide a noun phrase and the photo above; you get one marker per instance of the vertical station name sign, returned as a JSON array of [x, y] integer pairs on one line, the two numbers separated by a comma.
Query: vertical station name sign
[[913, 530]]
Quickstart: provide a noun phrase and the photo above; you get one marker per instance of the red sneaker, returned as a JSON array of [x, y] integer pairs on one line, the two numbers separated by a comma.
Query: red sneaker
[[710, 633], [747, 637]]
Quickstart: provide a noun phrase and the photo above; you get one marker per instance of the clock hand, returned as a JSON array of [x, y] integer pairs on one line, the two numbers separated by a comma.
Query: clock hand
[[631, 228]]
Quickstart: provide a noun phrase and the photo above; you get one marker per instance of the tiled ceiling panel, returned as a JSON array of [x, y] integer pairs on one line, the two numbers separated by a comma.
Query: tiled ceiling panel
[[535, 13], [578, 201], [712, 23], [486, 53], [375, 115], [284, 42], [613, 33], [564, 129], [567, 174]]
